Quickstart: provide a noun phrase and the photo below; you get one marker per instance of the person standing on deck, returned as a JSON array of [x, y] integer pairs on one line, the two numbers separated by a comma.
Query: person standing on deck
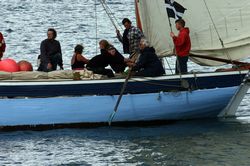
[[130, 38], [51, 54], [182, 45], [2, 45]]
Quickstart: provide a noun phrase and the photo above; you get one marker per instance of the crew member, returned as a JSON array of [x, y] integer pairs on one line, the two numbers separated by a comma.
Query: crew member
[[182, 45]]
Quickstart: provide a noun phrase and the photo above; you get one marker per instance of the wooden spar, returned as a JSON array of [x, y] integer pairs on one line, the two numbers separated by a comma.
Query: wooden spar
[[133, 58], [219, 59], [138, 19], [120, 96], [234, 103]]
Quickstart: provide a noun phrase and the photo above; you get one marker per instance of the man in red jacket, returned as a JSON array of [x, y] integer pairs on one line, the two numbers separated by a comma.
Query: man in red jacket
[[182, 45], [2, 45]]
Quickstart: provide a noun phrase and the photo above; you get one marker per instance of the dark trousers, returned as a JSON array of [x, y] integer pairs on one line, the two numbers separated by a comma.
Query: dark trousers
[[118, 68], [181, 65], [54, 60], [102, 71]]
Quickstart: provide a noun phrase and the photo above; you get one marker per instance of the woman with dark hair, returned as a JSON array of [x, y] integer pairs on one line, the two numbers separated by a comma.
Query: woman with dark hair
[[78, 61], [51, 54]]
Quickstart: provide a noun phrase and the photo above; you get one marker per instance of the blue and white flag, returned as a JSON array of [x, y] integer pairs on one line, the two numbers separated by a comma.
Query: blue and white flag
[[174, 9]]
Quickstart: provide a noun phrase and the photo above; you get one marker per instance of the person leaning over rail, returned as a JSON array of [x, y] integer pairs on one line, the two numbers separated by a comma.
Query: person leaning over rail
[[182, 45], [99, 62], [148, 64], [2, 45], [78, 61], [130, 38], [51, 54], [116, 61]]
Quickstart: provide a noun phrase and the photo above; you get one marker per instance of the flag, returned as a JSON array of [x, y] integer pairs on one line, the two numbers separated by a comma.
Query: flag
[[174, 9]]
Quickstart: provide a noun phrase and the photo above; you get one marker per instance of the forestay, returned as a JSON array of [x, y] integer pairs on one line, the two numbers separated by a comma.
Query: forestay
[[231, 18]]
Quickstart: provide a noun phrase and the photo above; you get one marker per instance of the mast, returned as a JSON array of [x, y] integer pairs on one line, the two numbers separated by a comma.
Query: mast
[[138, 19]]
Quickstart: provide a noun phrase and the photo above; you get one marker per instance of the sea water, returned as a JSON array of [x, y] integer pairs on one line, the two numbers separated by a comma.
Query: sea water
[[24, 24]]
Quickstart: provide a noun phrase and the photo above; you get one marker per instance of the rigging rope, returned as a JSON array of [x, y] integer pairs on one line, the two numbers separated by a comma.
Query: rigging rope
[[169, 66], [217, 32], [158, 84], [110, 14], [96, 27]]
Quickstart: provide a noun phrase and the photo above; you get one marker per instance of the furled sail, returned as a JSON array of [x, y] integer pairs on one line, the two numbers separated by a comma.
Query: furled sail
[[231, 18]]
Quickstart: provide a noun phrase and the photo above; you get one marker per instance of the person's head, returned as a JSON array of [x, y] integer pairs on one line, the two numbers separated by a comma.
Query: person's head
[[111, 50], [127, 23], [78, 49], [143, 43], [179, 24], [104, 44], [51, 33]]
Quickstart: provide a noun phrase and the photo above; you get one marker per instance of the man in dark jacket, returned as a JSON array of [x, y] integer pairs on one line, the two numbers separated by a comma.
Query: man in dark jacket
[[51, 54], [148, 64]]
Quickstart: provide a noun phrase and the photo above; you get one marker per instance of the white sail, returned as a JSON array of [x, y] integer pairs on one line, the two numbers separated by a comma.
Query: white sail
[[231, 17]]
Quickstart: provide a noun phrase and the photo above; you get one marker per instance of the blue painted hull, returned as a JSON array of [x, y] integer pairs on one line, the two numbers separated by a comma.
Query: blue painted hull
[[97, 109]]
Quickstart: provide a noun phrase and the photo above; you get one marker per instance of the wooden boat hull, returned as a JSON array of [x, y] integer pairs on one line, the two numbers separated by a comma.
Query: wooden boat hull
[[161, 106], [54, 88]]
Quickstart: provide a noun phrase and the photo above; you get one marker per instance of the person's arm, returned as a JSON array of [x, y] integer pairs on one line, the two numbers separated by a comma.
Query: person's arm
[[60, 61], [73, 59], [139, 33], [180, 39], [43, 53], [119, 36], [141, 62], [119, 56], [82, 58]]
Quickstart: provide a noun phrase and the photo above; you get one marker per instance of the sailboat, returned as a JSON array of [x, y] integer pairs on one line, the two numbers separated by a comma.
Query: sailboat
[[38, 103]]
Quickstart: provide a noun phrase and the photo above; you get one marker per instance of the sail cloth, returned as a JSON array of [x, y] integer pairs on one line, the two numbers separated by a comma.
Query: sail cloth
[[50, 76], [232, 20]]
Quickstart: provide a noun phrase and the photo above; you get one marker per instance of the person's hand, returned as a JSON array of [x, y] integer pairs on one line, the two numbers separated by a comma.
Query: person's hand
[[130, 64], [172, 34], [174, 51], [49, 66], [126, 60], [117, 32]]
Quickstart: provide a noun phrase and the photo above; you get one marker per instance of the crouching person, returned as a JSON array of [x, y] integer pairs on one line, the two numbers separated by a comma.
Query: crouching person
[[148, 64], [51, 54]]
